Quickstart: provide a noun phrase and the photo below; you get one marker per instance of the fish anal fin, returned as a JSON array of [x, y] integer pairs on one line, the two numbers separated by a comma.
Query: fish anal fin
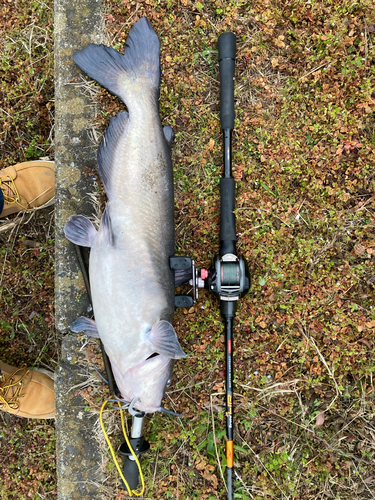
[[86, 325], [107, 227], [163, 339], [80, 230]]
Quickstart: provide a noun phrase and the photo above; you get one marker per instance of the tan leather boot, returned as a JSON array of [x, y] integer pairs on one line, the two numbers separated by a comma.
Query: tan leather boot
[[26, 393], [27, 185]]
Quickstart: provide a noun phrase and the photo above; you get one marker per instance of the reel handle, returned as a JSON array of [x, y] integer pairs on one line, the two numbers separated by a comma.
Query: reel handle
[[227, 58]]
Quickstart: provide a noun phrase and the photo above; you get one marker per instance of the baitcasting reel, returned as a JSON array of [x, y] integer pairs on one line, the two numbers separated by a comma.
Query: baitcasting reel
[[228, 278]]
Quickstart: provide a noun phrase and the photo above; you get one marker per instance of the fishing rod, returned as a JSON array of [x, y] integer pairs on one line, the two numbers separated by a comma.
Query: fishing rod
[[229, 277]]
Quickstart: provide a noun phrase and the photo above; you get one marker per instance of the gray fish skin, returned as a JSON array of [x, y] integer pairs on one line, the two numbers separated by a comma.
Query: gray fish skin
[[132, 285]]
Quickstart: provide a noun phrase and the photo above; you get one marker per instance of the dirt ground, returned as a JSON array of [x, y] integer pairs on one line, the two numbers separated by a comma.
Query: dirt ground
[[303, 162]]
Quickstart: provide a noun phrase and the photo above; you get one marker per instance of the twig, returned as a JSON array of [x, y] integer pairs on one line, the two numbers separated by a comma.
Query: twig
[[310, 339], [2, 274], [156, 467], [244, 485], [125, 23], [295, 381], [265, 468], [368, 489], [316, 69], [329, 446]]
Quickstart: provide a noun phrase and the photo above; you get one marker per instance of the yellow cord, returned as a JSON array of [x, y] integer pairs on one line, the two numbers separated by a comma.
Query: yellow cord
[[131, 492]]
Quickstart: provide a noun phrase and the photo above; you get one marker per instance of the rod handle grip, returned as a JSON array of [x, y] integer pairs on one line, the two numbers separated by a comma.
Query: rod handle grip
[[227, 60]]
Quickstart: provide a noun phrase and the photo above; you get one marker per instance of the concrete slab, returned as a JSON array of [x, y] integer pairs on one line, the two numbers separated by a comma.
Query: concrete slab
[[77, 23]]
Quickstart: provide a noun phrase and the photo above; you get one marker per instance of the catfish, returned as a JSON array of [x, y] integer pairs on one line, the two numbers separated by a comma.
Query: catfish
[[132, 285]]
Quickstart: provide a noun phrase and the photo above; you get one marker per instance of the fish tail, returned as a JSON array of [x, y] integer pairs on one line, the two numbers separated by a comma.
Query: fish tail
[[119, 73]]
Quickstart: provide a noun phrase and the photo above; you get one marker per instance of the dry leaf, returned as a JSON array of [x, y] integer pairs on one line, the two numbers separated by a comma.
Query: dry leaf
[[211, 144], [210, 477], [320, 419], [359, 249], [201, 465], [366, 342]]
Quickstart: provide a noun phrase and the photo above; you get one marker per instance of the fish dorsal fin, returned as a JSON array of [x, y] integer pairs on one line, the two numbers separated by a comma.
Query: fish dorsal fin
[[164, 340], [169, 135], [108, 148], [80, 231], [86, 325]]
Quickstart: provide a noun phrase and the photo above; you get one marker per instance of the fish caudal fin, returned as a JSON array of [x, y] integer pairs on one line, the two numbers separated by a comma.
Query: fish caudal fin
[[164, 340], [80, 231], [116, 71]]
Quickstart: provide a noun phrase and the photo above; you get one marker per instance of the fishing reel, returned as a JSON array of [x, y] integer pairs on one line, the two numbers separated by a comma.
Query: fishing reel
[[228, 278]]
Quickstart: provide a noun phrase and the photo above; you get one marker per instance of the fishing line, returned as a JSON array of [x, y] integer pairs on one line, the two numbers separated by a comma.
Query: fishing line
[[230, 274], [131, 492]]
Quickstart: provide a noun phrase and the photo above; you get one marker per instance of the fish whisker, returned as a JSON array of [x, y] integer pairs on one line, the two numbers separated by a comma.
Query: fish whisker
[[101, 376]]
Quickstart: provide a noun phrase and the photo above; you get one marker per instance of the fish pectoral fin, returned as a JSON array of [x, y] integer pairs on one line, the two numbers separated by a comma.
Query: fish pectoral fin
[[164, 340], [80, 231], [169, 135], [86, 325], [182, 276]]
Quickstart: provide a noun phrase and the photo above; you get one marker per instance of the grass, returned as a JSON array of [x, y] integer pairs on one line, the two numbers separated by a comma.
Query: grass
[[303, 162], [27, 332], [303, 157]]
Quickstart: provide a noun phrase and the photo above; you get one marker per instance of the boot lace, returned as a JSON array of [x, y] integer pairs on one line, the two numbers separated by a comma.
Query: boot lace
[[10, 191], [10, 390]]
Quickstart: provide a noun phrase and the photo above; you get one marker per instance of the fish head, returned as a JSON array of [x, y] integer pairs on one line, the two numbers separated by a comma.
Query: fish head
[[146, 381]]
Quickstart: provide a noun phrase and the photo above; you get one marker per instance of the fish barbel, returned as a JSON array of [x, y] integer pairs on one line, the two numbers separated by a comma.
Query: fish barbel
[[132, 285]]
